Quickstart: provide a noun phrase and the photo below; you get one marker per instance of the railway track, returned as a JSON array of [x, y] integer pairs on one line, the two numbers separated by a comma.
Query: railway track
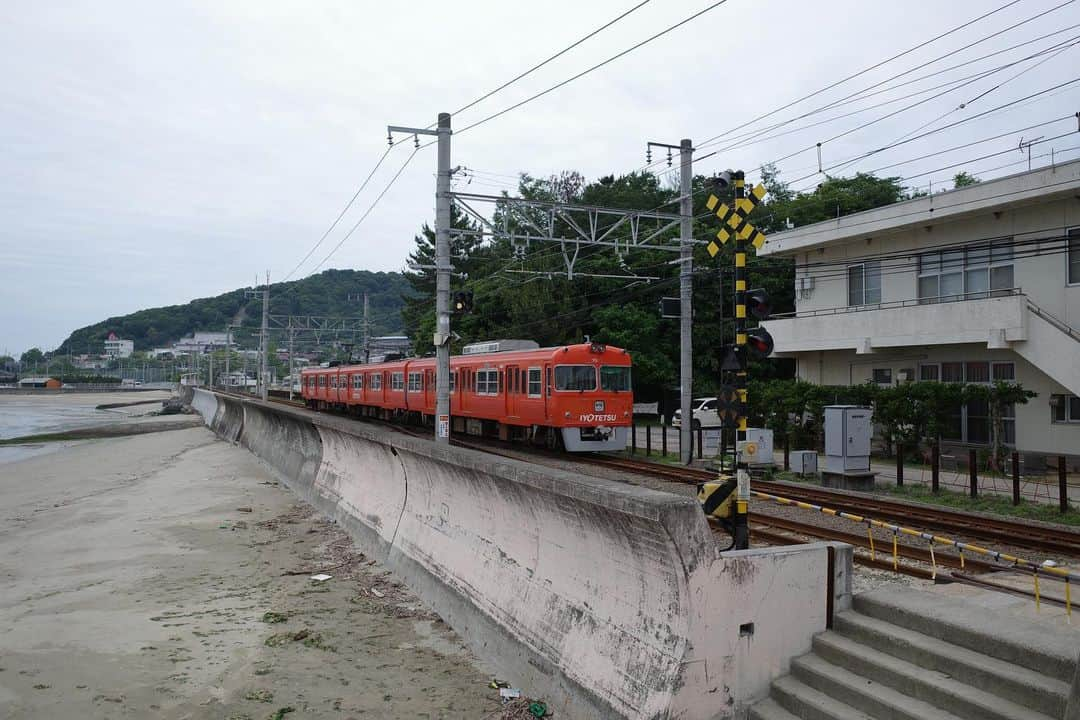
[[998, 530]]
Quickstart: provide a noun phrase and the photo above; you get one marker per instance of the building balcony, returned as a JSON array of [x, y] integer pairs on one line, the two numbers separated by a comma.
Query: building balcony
[[997, 319]]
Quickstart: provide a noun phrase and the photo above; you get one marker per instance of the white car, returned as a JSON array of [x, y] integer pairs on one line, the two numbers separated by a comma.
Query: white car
[[703, 411]]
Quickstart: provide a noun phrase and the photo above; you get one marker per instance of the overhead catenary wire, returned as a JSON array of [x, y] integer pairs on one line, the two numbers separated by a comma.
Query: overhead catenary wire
[[592, 68], [541, 64]]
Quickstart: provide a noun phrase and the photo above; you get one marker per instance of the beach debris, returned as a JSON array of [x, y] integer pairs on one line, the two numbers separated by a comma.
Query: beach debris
[[321, 577], [376, 593], [244, 509], [274, 617], [507, 694]]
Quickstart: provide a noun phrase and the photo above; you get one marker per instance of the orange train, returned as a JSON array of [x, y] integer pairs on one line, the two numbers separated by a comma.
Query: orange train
[[576, 397]]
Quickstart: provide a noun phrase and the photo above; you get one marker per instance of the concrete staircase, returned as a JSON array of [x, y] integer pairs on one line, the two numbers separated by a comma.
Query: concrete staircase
[[1052, 346], [911, 655]]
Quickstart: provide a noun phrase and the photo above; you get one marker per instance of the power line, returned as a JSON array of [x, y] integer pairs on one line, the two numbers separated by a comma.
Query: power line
[[597, 66], [536, 67]]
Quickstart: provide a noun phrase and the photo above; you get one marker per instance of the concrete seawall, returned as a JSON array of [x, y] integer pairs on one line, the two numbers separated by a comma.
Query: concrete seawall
[[607, 600]]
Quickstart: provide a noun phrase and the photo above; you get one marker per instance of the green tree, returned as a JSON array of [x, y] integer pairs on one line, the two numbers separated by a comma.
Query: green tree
[[964, 178], [33, 356]]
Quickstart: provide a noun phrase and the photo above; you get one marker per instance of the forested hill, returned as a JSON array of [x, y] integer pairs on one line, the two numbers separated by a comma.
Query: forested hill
[[334, 293]]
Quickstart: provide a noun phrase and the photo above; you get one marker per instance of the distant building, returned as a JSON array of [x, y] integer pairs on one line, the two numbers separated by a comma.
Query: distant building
[[40, 382], [974, 285], [117, 348], [202, 343]]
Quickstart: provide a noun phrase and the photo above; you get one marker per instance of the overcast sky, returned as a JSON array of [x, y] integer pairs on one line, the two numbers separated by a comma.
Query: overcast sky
[[151, 153]]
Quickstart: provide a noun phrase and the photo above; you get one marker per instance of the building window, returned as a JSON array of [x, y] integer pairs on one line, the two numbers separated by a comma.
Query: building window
[[416, 382], [1074, 256], [977, 271], [931, 373], [864, 283], [977, 372], [1064, 409], [535, 382], [952, 372], [882, 376], [1005, 371]]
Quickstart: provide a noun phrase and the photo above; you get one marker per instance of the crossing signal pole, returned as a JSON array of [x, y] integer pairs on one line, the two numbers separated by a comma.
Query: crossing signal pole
[[716, 497]]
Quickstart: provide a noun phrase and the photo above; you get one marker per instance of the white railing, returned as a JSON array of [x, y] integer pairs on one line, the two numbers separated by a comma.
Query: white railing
[[896, 304]]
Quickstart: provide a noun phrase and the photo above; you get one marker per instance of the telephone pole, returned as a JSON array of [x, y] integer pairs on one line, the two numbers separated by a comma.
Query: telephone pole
[[367, 332], [441, 339], [686, 291], [292, 365]]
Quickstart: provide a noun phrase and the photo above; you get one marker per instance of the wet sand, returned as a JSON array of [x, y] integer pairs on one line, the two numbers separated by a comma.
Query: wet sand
[[136, 585]]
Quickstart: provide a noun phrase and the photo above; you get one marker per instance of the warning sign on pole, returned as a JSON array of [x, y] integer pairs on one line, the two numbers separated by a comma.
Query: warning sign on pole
[[443, 426]]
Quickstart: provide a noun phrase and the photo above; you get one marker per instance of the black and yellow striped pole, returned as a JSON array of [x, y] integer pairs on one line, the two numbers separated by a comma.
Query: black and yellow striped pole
[[741, 529], [716, 499]]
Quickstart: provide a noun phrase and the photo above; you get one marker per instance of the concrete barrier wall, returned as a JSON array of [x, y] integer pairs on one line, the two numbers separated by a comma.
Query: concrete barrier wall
[[605, 599]]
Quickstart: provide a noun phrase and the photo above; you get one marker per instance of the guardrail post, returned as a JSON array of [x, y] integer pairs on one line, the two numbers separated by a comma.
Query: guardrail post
[[1016, 477], [935, 468], [663, 437], [633, 438], [787, 452], [699, 444], [973, 473], [899, 465], [648, 441], [1063, 485]]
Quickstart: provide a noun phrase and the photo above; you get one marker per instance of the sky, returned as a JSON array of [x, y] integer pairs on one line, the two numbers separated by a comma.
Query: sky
[[152, 153]]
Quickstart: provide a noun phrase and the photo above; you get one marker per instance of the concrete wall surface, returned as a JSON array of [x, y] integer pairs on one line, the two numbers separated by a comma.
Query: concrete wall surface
[[604, 599]]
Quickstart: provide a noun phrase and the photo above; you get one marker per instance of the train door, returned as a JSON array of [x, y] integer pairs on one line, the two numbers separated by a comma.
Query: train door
[[513, 391]]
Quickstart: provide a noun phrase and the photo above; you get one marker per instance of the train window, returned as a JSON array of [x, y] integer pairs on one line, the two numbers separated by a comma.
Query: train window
[[534, 382], [453, 381], [499, 381], [333, 381], [397, 381], [549, 382], [376, 381], [575, 377], [358, 381], [416, 382], [615, 378], [322, 381], [487, 382]]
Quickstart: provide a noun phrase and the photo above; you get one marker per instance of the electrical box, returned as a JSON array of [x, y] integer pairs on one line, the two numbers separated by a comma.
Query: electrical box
[[847, 439], [757, 451], [804, 462]]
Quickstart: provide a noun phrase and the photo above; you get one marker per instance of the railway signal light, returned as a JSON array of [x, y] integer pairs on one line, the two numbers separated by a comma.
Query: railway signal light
[[760, 342], [463, 301], [759, 303]]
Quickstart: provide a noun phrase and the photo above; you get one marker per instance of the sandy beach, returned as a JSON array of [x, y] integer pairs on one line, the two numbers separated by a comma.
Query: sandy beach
[[168, 576]]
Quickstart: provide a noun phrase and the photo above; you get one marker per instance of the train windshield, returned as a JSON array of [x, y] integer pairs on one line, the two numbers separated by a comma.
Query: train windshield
[[575, 377], [615, 378]]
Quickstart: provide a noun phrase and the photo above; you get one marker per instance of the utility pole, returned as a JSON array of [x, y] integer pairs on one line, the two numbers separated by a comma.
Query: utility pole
[[686, 290], [292, 338], [367, 332], [264, 373], [441, 339], [228, 352], [686, 306]]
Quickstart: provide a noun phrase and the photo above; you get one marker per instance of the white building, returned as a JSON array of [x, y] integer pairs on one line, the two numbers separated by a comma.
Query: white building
[[117, 348], [202, 342], [973, 285]]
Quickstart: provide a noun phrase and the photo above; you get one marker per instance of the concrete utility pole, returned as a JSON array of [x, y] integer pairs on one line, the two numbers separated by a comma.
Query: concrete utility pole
[[292, 365], [442, 272], [367, 332], [228, 353], [264, 366], [686, 306], [686, 289]]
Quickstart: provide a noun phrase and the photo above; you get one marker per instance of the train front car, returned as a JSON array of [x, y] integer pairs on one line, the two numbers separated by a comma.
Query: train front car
[[592, 400]]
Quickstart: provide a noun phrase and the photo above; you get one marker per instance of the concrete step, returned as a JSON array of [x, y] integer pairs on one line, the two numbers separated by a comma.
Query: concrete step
[[804, 702], [769, 709], [863, 694], [1014, 683], [912, 681], [984, 630]]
